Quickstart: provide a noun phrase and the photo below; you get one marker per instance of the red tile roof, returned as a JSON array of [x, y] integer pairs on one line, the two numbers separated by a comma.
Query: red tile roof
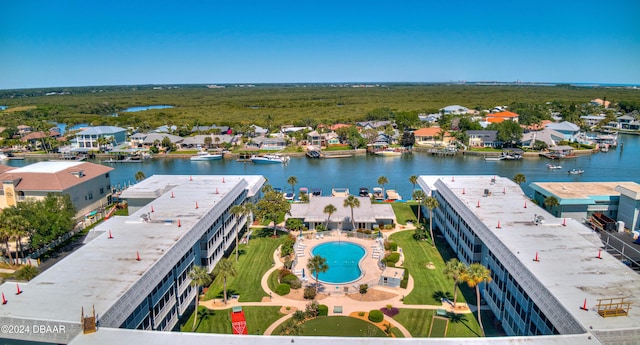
[[54, 181], [504, 114], [428, 132]]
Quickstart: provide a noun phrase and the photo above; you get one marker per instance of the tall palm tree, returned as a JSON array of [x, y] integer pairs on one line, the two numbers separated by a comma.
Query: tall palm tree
[[199, 277], [225, 269], [476, 274], [292, 180], [139, 176], [329, 209], [382, 180], [6, 232], [414, 181], [351, 202], [317, 265], [431, 203], [420, 197], [455, 270], [20, 227], [237, 210], [519, 178]]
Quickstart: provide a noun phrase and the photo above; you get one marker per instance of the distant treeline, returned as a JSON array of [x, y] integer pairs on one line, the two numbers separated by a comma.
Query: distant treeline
[[275, 105]]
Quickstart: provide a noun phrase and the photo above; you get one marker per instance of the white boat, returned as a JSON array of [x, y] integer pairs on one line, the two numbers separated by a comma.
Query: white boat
[[393, 195], [270, 159], [575, 171], [389, 151], [206, 156], [340, 192], [377, 193], [554, 167], [493, 159]]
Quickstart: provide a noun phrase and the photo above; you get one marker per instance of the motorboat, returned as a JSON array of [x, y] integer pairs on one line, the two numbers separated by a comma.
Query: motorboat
[[554, 167], [270, 159], [288, 195], [493, 158], [206, 156], [576, 171], [389, 151], [364, 192], [378, 194], [340, 192], [316, 192]]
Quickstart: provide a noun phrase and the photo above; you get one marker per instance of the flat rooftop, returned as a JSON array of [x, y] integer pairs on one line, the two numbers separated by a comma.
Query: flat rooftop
[[103, 270], [586, 190], [568, 265], [48, 167]]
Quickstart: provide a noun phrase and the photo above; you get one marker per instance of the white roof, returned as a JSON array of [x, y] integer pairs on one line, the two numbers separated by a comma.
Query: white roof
[[51, 167]]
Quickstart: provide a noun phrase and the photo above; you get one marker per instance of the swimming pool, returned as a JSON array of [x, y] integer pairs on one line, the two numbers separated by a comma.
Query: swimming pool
[[343, 259]]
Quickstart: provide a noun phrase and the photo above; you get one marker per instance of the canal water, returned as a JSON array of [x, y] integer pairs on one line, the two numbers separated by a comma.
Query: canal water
[[622, 164]]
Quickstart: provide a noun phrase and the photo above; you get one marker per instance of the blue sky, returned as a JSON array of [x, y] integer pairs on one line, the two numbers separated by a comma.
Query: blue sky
[[79, 43]]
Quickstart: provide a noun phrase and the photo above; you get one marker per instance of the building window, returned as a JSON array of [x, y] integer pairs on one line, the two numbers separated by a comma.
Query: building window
[[90, 196], [101, 190]]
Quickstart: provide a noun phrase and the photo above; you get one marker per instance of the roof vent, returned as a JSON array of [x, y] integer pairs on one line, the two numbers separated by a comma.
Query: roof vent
[[78, 174]]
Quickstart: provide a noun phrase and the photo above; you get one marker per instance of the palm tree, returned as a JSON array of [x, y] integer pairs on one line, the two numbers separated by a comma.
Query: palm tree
[[329, 209], [519, 178], [431, 203], [419, 196], [292, 180], [139, 176], [199, 277], [455, 270], [476, 274], [6, 232], [414, 180], [317, 265], [550, 202], [225, 269], [237, 210], [20, 227], [382, 180], [351, 202]]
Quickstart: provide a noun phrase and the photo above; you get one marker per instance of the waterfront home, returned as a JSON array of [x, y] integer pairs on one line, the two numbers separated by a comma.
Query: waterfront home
[[628, 122], [431, 118], [34, 139], [483, 138], [146, 140], [368, 216], [88, 184], [373, 124], [274, 144], [432, 136], [568, 129], [592, 120], [315, 139], [454, 110], [502, 116], [547, 136], [24, 130], [201, 140], [211, 129], [332, 139], [87, 139], [259, 131], [580, 200]]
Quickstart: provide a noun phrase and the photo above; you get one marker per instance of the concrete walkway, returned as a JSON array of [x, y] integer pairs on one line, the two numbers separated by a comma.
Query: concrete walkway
[[348, 304]]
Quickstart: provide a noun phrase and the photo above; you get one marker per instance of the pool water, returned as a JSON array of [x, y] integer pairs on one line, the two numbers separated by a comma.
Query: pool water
[[342, 259]]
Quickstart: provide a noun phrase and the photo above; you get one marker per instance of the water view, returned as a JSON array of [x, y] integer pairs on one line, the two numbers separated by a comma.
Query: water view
[[364, 170], [146, 107]]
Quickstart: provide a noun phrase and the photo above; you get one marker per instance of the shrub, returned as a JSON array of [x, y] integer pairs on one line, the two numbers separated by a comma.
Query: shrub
[[288, 263], [283, 273], [360, 313], [311, 310], [320, 227], [309, 292], [323, 310], [291, 280], [27, 272], [392, 246], [390, 311], [364, 288], [283, 289], [392, 258], [376, 316], [294, 224]]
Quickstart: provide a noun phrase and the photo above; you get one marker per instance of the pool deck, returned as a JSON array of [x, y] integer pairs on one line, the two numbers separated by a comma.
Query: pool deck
[[348, 304]]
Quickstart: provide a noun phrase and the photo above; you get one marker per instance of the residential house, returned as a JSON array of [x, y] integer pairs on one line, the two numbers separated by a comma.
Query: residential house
[[372, 124], [628, 122], [87, 139], [599, 102], [592, 120], [88, 184], [548, 136], [315, 139], [337, 126], [35, 139], [568, 129], [502, 116], [259, 131], [24, 130], [199, 140], [431, 118], [483, 138], [274, 144], [332, 138], [454, 110], [536, 126], [432, 136], [211, 129], [146, 140]]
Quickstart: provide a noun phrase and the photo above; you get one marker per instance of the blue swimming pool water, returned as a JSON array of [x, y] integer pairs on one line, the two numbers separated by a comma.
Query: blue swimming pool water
[[343, 259]]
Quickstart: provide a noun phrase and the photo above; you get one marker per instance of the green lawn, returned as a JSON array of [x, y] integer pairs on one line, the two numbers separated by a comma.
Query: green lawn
[[438, 328], [273, 280], [340, 326], [430, 285], [418, 322], [404, 212], [219, 321], [256, 258]]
